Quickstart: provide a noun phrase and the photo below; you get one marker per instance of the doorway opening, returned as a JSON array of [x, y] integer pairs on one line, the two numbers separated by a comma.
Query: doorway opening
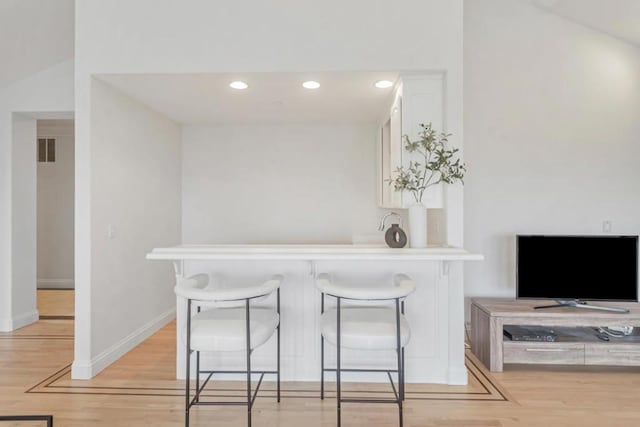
[[55, 147]]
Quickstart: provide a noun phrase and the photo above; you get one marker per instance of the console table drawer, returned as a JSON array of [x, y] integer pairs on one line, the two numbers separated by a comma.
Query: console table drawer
[[544, 353], [612, 354]]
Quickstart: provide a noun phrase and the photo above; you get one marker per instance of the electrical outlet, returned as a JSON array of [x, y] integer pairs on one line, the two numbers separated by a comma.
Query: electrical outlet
[[606, 226], [111, 231]]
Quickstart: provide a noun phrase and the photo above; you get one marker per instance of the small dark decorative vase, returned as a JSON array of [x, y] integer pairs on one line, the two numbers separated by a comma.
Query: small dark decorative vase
[[395, 237]]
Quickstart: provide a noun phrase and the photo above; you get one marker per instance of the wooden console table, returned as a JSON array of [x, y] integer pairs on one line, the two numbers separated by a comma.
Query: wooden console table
[[490, 315]]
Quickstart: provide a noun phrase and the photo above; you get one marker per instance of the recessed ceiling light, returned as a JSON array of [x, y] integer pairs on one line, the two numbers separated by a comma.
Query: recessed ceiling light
[[384, 84], [311, 85], [238, 85]]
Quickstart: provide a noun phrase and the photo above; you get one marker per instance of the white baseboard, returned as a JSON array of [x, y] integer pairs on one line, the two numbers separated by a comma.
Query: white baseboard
[[56, 284], [16, 322], [87, 369], [5, 324]]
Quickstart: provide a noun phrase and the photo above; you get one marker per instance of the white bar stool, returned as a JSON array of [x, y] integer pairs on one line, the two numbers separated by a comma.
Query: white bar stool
[[371, 327], [231, 325]]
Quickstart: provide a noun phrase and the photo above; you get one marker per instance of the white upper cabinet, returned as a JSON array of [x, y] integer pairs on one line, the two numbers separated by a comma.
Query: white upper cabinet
[[417, 98]]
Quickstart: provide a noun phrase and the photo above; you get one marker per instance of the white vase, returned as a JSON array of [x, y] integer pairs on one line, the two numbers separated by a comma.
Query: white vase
[[417, 226]]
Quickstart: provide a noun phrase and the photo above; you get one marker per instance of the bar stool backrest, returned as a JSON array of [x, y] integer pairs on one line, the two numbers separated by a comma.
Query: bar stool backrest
[[401, 287], [215, 293]]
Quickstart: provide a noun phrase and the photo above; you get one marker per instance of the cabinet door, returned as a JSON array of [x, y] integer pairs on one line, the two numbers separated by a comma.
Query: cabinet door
[[395, 149], [391, 155], [385, 166], [422, 103], [418, 99]]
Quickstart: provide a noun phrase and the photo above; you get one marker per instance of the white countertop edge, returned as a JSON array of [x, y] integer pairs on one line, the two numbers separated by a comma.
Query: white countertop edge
[[310, 252]]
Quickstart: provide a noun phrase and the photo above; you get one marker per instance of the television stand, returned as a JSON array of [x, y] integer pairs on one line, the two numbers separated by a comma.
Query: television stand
[[582, 304], [583, 346]]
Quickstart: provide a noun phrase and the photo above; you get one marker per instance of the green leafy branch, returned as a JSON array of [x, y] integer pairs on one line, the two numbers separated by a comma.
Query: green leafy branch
[[438, 165]]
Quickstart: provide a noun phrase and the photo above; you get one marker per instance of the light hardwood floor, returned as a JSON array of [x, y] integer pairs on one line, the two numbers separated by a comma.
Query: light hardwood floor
[[139, 390], [55, 303]]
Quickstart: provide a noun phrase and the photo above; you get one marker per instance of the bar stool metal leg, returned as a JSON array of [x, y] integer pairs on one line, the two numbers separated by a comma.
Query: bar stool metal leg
[[198, 371], [249, 403], [338, 394], [400, 367], [402, 395], [278, 355], [402, 384], [188, 364], [197, 398], [322, 352]]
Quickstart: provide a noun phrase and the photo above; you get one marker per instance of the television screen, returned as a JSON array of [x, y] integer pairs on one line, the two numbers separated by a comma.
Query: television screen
[[577, 267]]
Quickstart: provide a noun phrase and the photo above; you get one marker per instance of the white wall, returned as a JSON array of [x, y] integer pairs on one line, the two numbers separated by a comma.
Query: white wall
[[23, 219], [551, 123], [135, 200], [278, 183], [55, 207], [121, 36], [45, 93]]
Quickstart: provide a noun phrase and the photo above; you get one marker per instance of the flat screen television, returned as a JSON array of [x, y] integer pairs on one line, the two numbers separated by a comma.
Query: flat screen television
[[574, 269]]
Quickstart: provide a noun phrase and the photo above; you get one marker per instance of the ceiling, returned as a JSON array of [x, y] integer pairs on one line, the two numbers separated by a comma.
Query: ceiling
[[618, 18], [34, 35], [344, 97]]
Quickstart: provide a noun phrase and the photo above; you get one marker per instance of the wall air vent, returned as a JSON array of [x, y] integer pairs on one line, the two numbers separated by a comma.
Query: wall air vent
[[46, 150]]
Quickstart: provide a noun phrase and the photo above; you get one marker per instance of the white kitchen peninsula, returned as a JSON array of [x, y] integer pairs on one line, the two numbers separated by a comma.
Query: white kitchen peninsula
[[435, 311]]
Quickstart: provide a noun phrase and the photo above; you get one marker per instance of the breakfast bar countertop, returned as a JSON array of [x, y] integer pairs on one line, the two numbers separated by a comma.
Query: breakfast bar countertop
[[311, 252], [437, 304]]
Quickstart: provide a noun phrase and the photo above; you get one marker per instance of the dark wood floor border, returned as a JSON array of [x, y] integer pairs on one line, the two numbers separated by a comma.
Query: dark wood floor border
[[46, 317], [64, 370], [490, 380], [48, 386], [37, 337], [51, 384]]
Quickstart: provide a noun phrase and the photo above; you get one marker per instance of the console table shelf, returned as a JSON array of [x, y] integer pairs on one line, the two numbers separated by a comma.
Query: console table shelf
[[583, 347]]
